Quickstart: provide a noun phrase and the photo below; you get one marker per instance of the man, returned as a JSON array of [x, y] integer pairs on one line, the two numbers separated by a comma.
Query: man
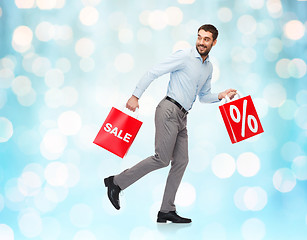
[[190, 76]]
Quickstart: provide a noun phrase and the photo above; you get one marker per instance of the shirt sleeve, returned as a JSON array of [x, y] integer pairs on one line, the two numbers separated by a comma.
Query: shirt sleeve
[[172, 63], [205, 95]]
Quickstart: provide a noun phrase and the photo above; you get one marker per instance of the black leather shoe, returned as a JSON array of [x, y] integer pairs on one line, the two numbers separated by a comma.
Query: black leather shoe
[[171, 216], [113, 191]]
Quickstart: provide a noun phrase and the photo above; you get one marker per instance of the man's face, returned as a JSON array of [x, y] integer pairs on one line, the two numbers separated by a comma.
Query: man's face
[[204, 42]]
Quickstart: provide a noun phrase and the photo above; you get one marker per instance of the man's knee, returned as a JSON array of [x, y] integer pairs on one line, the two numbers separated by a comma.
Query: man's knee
[[182, 163], [162, 161], [185, 162]]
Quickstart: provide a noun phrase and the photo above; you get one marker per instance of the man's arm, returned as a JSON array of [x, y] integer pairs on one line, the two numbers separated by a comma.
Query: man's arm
[[172, 63], [206, 96]]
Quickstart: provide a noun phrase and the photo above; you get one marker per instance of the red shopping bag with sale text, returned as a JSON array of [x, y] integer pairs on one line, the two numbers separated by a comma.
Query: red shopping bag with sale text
[[240, 118], [118, 132]]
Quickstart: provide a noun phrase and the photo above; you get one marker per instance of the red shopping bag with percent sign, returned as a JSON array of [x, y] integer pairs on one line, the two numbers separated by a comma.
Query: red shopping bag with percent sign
[[240, 118], [118, 132]]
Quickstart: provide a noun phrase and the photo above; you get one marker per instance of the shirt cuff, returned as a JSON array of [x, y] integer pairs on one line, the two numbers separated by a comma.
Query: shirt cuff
[[217, 98], [138, 92]]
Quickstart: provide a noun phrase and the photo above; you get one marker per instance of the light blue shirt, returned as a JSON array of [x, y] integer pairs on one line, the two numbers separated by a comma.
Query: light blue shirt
[[189, 77]]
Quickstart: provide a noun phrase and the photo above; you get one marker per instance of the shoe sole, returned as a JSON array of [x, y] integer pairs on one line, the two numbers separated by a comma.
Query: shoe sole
[[159, 220], [162, 220]]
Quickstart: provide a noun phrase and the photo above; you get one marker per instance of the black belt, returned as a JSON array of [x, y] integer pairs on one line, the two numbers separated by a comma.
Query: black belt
[[177, 104]]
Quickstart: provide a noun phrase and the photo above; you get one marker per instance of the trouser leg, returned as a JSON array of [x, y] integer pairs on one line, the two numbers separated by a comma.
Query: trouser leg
[[165, 140], [178, 166]]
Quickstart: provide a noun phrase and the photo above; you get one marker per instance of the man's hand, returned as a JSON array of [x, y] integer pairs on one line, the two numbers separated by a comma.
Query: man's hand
[[132, 103], [229, 92]]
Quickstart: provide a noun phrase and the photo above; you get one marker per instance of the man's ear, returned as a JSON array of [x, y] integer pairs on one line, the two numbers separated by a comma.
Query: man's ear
[[214, 42]]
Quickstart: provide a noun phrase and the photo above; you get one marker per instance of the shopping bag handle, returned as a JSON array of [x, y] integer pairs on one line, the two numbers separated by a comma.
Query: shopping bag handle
[[226, 99], [134, 114]]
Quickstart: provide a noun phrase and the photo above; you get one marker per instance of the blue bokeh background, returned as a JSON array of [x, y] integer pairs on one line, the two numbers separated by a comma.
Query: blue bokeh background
[[64, 64]]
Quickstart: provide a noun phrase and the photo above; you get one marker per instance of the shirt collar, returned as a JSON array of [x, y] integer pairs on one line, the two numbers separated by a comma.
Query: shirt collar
[[197, 55]]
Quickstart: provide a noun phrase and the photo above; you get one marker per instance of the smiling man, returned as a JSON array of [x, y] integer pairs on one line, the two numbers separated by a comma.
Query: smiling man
[[190, 76]]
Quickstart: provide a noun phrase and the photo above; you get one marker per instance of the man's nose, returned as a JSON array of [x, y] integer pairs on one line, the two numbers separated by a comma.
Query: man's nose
[[202, 41]]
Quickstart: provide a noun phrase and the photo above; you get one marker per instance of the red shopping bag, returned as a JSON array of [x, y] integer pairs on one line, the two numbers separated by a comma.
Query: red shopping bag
[[118, 132], [240, 118]]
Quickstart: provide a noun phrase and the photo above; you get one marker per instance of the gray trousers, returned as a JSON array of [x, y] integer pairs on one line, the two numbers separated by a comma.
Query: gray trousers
[[171, 144]]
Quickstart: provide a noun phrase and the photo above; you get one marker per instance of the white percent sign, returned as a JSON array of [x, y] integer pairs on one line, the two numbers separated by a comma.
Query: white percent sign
[[238, 118]]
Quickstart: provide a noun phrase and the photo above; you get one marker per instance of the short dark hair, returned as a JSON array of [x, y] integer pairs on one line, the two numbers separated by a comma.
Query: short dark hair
[[210, 28]]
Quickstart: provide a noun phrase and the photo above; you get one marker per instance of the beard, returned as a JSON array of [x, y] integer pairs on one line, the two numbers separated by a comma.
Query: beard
[[205, 50]]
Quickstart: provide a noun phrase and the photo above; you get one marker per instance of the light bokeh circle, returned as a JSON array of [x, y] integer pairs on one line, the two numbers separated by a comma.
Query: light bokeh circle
[[247, 24], [81, 215], [69, 123], [256, 4], [54, 78], [89, 16], [52, 228], [6, 77], [250, 198], [124, 62], [56, 174], [275, 94], [186, 195], [297, 68], [224, 14], [255, 198], [284, 180], [158, 19], [30, 223], [214, 231], [84, 234], [6, 232], [84, 47], [6, 129], [45, 31], [22, 38], [29, 183], [21, 85], [299, 167], [301, 97], [301, 117], [253, 229], [248, 164], [53, 144], [25, 3], [294, 29], [287, 110], [223, 165], [174, 16], [291, 150]]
